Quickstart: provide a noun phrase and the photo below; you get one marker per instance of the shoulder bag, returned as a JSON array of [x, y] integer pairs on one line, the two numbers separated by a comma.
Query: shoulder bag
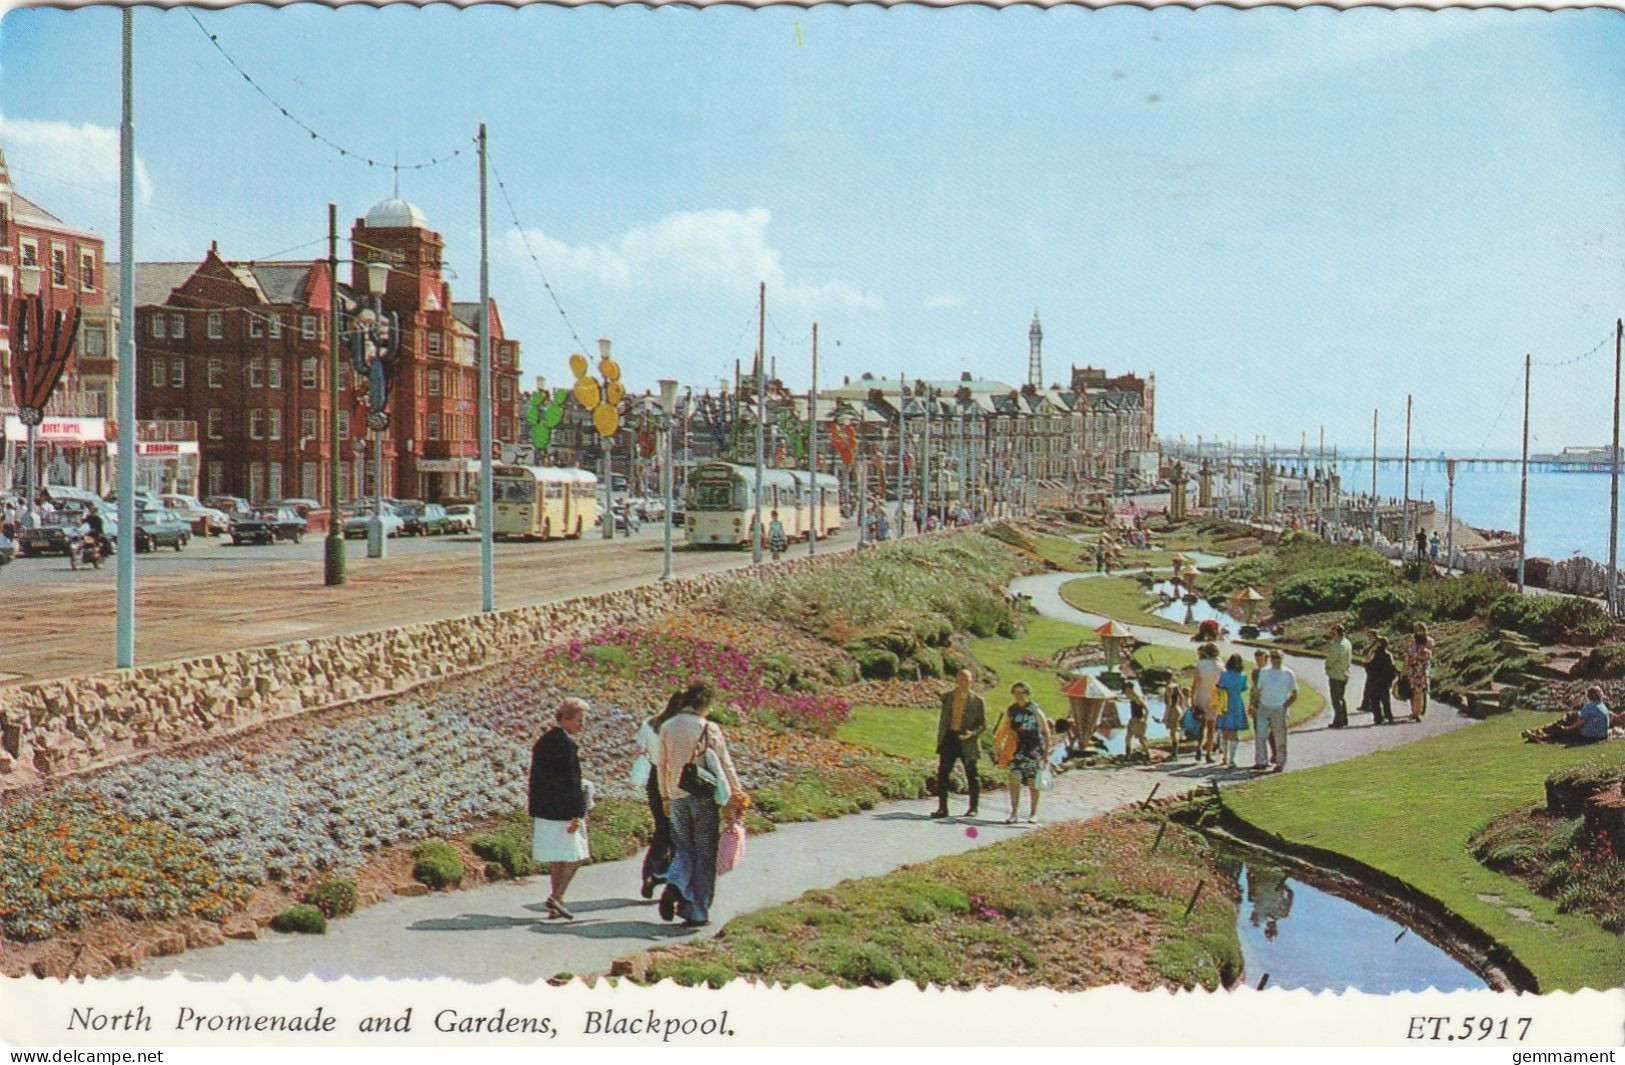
[[692, 779]]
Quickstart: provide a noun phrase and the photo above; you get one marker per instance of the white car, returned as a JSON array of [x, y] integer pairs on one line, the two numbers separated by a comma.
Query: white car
[[355, 526], [462, 517], [204, 520]]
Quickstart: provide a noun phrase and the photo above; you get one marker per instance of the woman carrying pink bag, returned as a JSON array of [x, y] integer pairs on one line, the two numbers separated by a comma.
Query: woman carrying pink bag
[[731, 845]]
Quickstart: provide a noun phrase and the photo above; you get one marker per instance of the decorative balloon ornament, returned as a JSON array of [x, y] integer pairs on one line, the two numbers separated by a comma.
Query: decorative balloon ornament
[[844, 439], [646, 436], [375, 343], [602, 400], [544, 415]]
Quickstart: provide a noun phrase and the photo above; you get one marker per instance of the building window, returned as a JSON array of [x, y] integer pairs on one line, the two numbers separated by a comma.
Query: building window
[[157, 378], [344, 427], [177, 373], [276, 326], [256, 326], [215, 330], [87, 271], [434, 343], [256, 372], [344, 378], [273, 376], [507, 428], [177, 326], [93, 341], [216, 478], [217, 423], [30, 253], [157, 325], [256, 424], [59, 266], [307, 427], [310, 480], [307, 327], [273, 490], [217, 373], [307, 373], [434, 426], [434, 382], [276, 425], [506, 388], [256, 482]]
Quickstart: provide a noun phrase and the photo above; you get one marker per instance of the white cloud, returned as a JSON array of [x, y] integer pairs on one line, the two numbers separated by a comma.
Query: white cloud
[[942, 301], [713, 251], [84, 158]]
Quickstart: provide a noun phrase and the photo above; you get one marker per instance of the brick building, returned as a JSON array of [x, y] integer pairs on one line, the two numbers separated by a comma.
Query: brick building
[[71, 263], [243, 349]]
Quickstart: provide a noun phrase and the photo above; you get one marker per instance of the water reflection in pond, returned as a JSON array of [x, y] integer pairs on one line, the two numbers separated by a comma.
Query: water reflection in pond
[[1304, 937], [1196, 613]]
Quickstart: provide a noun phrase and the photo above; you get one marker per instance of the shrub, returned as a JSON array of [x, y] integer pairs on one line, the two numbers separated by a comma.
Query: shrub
[[1316, 591], [306, 920], [877, 665], [335, 897], [1374, 606], [508, 846], [1551, 619], [435, 863], [929, 661], [1459, 598]]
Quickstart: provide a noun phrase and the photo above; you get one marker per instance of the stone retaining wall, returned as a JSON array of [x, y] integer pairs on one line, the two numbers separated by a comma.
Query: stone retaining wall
[[72, 723]]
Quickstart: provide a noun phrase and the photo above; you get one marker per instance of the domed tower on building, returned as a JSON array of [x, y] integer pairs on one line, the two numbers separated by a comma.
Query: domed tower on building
[[396, 232], [1035, 353]]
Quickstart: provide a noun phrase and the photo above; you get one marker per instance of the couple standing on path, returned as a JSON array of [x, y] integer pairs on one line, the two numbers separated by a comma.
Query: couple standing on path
[[1023, 738], [693, 792], [1274, 689], [1410, 679]]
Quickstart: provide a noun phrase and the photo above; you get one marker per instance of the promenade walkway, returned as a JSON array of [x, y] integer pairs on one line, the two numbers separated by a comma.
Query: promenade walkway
[[501, 930]]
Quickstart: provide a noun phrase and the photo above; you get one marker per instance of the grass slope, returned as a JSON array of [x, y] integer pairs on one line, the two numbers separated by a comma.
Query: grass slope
[[1411, 811], [1118, 597]]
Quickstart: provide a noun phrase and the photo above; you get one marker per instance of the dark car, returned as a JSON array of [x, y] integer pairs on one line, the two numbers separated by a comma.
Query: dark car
[[231, 505], [267, 525], [157, 527], [50, 536]]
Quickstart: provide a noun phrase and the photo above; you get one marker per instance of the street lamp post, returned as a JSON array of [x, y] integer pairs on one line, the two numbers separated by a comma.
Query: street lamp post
[[375, 343], [668, 401]]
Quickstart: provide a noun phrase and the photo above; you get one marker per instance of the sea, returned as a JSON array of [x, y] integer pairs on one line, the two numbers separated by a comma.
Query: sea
[[1568, 512]]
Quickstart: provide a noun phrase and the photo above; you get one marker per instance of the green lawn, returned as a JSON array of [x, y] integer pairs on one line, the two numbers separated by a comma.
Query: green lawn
[[1044, 637], [1118, 597], [908, 732], [1410, 812]]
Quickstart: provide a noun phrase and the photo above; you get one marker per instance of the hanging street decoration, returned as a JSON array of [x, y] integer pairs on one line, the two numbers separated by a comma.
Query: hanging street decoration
[[844, 439], [544, 415], [600, 398]]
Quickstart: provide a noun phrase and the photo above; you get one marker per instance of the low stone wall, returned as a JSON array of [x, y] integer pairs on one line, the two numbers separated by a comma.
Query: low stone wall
[[72, 723]]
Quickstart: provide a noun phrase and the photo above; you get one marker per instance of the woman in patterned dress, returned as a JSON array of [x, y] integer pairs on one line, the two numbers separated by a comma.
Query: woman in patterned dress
[[1418, 657], [1032, 734]]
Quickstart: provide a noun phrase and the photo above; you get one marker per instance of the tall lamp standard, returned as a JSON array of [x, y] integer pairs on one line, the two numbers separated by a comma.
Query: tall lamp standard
[[36, 368], [374, 344], [668, 403]]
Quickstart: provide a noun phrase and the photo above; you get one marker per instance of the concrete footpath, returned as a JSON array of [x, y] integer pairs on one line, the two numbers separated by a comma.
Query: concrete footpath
[[501, 930]]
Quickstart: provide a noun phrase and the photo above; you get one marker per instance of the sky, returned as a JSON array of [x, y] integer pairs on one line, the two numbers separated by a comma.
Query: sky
[[1291, 217]]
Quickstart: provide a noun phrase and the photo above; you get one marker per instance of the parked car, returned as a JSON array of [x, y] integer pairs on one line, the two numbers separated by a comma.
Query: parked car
[[51, 536], [229, 505], [204, 520], [302, 504], [267, 525], [626, 519], [423, 519], [156, 527], [355, 526], [462, 517]]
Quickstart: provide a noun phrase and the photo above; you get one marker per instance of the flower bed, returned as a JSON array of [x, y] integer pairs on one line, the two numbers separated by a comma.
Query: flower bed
[[67, 859]]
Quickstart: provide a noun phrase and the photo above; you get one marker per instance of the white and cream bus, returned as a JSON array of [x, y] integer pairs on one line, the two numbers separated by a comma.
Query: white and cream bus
[[546, 502], [722, 503]]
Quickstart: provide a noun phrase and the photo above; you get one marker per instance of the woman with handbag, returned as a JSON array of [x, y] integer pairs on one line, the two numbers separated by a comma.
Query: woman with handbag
[[695, 772], [1418, 660], [658, 857], [558, 803], [1026, 724], [1204, 688]]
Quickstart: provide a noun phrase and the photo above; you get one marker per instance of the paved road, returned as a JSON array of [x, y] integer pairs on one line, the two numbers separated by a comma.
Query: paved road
[[213, 596], [501, 930]]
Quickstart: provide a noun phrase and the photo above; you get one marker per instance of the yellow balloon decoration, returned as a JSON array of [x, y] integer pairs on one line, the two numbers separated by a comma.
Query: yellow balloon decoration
[[609, 369], [607, 420], [614, 392], [578, 365], [587, 393]]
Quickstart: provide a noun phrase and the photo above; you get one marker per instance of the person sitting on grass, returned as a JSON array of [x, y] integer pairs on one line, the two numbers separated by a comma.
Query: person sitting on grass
[[1589, 724]]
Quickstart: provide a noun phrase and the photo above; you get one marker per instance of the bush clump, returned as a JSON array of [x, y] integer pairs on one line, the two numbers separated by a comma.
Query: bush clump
[[335, 897], [1317, 591], [876, 665], [436, 863], [1551, 619], [305, 920], [1376, 606], [508, 846]]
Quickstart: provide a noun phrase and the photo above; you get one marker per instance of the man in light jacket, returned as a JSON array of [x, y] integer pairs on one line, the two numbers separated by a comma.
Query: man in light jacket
[[959, 728], [1339, 656]]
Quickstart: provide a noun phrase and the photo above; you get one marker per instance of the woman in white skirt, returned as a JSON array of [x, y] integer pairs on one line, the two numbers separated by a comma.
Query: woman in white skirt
[[558, 802]]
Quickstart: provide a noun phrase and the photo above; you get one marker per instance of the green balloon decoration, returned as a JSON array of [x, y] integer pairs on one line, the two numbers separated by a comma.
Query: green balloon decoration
[[544, 414]]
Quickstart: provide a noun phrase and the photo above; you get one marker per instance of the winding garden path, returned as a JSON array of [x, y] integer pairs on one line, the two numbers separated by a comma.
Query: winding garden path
[[501, 930]]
